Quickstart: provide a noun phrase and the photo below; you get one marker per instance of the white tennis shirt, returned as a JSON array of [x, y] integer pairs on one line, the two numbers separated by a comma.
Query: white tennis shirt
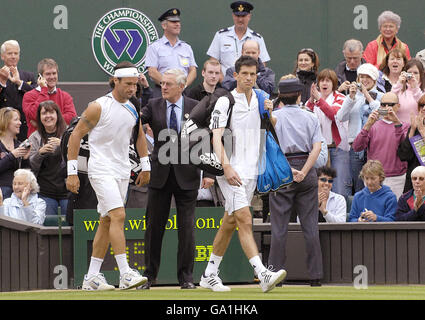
[[109, 140]]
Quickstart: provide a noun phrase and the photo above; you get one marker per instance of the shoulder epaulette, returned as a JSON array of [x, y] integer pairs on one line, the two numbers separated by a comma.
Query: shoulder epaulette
[[256, 34], [223, 30]]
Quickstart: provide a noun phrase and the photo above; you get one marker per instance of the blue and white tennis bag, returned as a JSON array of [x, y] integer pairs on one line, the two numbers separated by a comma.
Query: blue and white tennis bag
[[274, 171]]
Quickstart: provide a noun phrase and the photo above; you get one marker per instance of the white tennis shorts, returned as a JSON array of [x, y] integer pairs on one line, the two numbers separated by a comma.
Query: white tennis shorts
[[237, 197], [110, 192]]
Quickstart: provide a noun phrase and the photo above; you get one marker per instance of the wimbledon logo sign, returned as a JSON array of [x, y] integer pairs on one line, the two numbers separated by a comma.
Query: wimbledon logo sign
[[122, 34]]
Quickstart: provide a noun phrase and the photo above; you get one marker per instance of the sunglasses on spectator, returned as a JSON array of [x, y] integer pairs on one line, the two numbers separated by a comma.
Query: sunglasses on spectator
[[418, 178], [421, 105], [328, 180], [388, 104]]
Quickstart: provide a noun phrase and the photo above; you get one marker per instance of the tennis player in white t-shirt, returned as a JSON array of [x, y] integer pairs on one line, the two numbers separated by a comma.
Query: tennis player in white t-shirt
[[240, 175], [109, 123]]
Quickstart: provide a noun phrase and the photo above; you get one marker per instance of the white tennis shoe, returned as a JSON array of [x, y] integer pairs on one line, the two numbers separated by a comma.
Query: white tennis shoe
[[131, 280], [213, 282], [269, 279], [96, 282]]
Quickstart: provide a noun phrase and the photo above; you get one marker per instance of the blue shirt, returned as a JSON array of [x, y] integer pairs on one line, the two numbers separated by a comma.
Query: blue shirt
[[178, 110], [163, 56], [296, 129], [227, 48]]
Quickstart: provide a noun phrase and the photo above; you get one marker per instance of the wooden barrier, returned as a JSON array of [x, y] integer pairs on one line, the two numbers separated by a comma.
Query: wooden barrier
[[29, 254], [393, 252]]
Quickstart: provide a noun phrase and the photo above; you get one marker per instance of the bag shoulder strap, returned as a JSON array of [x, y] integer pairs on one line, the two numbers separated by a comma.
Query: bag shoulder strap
[[264, 114]]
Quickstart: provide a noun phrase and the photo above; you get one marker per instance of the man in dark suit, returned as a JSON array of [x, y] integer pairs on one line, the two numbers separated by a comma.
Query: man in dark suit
[[172, 175], [14, 83]]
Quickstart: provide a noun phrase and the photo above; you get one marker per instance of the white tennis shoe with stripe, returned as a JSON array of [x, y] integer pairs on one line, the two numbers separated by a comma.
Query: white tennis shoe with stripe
[[269, 279], [131, 280], [213, 282], [96, 282]]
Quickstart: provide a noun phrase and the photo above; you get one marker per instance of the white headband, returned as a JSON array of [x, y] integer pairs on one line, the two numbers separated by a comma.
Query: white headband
[[126, 72]]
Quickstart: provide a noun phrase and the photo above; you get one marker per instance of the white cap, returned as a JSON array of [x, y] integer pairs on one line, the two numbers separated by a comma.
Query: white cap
[[368, 69]]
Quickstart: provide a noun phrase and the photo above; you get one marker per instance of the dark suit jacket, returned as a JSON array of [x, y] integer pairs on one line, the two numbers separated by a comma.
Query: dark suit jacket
[[187, 175], [11, 96]]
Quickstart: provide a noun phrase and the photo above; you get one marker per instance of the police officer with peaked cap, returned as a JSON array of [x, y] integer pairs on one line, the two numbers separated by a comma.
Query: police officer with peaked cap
[[226, 46], [170, 52], [300, 139]]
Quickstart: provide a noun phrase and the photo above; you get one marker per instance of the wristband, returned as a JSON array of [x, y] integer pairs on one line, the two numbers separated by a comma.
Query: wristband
[[72, 167], [146, 164]]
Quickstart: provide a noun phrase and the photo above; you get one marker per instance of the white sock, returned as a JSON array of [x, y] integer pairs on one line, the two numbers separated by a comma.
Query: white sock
[[213, 264], [95, 265], [257, 264], [122, 263]]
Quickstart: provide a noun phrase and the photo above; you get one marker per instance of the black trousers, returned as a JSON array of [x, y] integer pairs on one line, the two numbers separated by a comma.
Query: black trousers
[[157, 212]]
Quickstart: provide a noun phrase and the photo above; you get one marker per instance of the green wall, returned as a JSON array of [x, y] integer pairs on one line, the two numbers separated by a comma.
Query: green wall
[[287, 26]]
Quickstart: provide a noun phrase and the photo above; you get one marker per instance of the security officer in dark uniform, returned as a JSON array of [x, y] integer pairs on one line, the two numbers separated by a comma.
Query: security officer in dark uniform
[[300, 138]]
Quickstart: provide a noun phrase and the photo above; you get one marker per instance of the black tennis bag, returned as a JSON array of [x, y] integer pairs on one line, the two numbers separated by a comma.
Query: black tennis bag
[[196, 136]]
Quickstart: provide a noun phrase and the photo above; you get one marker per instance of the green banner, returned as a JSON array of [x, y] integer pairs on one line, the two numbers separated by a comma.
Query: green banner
[[235, 267]]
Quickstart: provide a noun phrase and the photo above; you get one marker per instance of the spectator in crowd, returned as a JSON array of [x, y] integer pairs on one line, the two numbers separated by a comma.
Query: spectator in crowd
[[46, 157], [265, 76], [14, 83], [381, 138], [12, 155], [325, 101], [144, 92], [306, 69], [421, 56], [388, 25], [346, 70], [47, 90], [410, 206], [376, 202], [226, 46], [169, 52], [405, 151], [409, 89], [355, 109], [390, 69], [165, 114], [299, 138], [211, 74], [332, 206], [24, 203]]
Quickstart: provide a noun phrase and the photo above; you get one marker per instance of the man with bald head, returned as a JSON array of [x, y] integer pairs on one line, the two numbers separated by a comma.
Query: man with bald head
[[411, 207], [265, 76], [381, 135]]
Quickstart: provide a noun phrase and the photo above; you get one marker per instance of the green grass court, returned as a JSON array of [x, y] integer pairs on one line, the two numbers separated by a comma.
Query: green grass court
[[248, 292]]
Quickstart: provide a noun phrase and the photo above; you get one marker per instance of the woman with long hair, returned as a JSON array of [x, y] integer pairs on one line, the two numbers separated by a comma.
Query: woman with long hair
[[390, 69], [13, 155], [46, 157]]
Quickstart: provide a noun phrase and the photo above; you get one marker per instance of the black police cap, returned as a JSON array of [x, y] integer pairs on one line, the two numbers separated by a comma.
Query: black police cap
[[170, 15], [241, 8]]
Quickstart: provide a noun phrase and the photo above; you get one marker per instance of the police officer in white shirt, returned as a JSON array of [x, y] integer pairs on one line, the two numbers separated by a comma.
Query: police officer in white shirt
[[226, 46], [170, 52]]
